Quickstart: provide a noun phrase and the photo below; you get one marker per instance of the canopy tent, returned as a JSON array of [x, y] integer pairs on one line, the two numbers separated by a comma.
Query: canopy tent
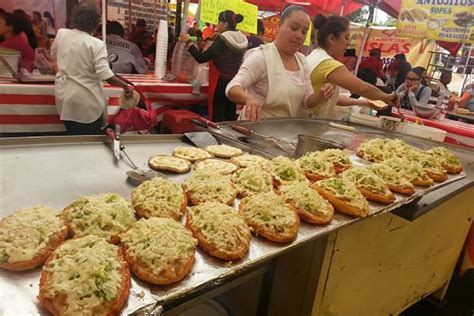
[[313, 7]]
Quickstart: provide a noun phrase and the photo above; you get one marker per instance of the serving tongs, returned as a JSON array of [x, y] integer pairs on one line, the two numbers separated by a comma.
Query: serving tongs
[[137, 175], [282, 144]]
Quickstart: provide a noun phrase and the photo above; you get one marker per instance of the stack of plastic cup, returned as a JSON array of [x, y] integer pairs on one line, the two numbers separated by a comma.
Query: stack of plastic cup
[[161, 49]]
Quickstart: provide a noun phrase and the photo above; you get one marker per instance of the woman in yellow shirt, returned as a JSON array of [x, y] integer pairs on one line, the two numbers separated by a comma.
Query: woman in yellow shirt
[[333, 36]]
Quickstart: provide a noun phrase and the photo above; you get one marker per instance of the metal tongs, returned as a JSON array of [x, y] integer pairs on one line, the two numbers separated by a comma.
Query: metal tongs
[[137, 175], [282, 144]]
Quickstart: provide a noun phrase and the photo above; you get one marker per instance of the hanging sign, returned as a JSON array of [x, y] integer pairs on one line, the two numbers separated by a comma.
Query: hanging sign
[[210, 10], [441, 20]]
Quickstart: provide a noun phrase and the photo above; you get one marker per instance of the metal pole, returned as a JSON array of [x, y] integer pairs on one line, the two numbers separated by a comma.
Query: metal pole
[[177, 30], [130, 15], [104, 19], [466, 75], [367, 32], [184, 21], [341, 13]]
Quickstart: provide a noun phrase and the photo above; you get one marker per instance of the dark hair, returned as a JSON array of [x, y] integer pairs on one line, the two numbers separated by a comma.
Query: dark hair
[[375, 52], [400, 57], [48, 15], [289, 10], [260, 27], [114, 27], [11, 20], [26, 26], [37, 14], [141, 22], [86, 17], [418, 71], [350, 52], [445, 73], [331, 25], [230, 18]]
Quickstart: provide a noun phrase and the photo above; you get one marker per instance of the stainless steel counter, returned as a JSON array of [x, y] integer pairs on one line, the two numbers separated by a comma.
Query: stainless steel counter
[[55, 171]]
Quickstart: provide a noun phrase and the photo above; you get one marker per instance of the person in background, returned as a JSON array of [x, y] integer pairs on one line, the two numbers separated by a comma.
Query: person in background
[[141, 37], [82, 66], [195, 31], [467, 99], [10, 30], [124, 56], [412, 92], [40, 28], [333, 35], [373, 62], [25, 24], [207, 32], [256, 40], [399, 69], [226, 53], [274, 80], [441, 87], [51, 25], [350, 59]]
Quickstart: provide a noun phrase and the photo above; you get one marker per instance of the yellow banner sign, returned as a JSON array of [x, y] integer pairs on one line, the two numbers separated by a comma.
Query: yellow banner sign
[[416, 50], [210, 10], [443, 20]]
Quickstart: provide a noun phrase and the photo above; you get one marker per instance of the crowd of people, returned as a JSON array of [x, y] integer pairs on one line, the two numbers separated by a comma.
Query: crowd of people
[[272, 80]]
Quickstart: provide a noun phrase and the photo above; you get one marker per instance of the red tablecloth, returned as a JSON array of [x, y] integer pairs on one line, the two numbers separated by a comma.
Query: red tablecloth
[[458, 132], [30, 108]]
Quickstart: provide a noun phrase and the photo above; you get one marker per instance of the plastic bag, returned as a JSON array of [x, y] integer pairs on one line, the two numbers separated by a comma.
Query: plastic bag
[[183, 66]]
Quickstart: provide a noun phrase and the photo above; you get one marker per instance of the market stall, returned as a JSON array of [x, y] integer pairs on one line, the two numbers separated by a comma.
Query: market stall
[[317, 270], [30, 108]]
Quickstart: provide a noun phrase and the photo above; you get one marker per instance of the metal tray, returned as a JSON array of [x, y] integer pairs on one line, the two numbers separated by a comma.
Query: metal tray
[[55, 170]]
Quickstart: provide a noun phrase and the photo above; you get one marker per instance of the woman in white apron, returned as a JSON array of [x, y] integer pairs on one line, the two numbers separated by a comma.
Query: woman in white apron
[[274, 80], [333, 36]]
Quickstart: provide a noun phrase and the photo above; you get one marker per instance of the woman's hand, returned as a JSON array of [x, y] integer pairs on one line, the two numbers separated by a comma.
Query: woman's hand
[[326, 91], [413, 88], [128, 91], [184, 38], [252, 109]]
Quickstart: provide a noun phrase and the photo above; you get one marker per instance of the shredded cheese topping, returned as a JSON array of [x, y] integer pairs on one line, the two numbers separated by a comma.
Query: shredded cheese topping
[[253, 180], [390, 175], [269, 211], [87, 272], [224, 150], [161, 244], [380, 149], [410, 170], [365, 178], [445, 156], [170, 162], [286, 170], [105, 215], [220, 225], [247, 160], [427, 162], [313, 163], [305, 199], [25, 233], [159, 197], [336, 157], [191, 153], [345, 190], [216, 165], [206, 186]]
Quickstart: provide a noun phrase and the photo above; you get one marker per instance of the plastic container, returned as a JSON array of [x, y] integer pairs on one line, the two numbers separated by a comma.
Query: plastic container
[[12, 57], [427, 132], [364, 119], [183, 66], [390, 123]]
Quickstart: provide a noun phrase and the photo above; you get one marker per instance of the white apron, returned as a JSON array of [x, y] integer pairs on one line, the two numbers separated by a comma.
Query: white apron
[[285, 98], [327, 109]]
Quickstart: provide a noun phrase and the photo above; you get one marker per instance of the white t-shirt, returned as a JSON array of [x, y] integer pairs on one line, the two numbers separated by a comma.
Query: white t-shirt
[[124, 55], [82, 66]]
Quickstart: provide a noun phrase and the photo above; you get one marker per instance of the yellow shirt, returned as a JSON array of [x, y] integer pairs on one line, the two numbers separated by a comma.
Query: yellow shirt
[[320, 72]]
